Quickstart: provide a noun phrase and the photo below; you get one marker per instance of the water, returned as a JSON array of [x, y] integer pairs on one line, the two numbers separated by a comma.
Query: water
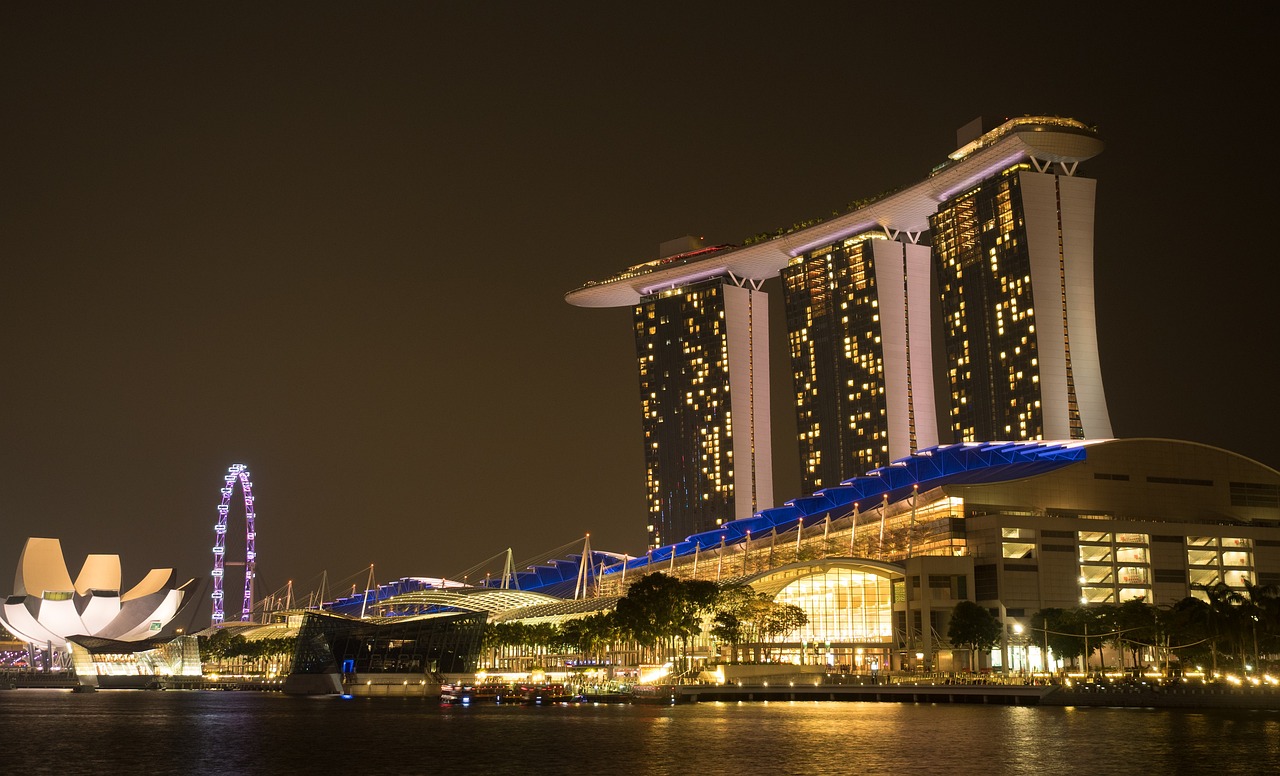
[[193, 732]]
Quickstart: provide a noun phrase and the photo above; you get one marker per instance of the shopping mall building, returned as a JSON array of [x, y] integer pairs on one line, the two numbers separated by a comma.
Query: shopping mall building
[[879, 562]]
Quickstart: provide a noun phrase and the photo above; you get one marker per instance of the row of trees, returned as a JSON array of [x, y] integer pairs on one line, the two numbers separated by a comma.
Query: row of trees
[[1226, 628], [250, 656], [661, 614]]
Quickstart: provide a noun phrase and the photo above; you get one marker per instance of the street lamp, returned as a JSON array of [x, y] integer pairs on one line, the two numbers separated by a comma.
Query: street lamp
[[1021, 644]]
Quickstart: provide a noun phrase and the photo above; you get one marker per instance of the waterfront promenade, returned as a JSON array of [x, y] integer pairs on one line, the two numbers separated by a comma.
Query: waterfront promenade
[[1000, 690], [1212, 696], [888, 689]]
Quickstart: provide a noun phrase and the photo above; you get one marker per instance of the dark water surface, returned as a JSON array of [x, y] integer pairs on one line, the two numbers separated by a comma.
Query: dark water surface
[[201, 732]]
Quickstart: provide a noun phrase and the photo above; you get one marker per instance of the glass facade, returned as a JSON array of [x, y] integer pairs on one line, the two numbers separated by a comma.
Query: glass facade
[[1017, 543], [682, 350], [837, 361], [845, 606], [1114, 567], [1213, 559], [983, 270], [429, 643]]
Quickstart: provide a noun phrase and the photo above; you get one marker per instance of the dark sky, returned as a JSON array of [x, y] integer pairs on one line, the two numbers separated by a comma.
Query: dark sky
[[332, 241]]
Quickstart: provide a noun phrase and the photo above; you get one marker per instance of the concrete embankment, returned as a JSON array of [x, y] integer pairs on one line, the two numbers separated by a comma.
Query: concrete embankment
[[1009, 695], [1187, 697], [1171, 697]]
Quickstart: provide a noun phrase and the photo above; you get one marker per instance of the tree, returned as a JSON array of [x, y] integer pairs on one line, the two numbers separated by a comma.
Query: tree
[[221, 645], [1136, 628], [1096, 624], [1189, 631], [589, 635], [1057, 630], [743, 615], [1262, 616], [730, 621], [777, 619], [975, 627], [728, 628], [1222, 619], [660, 609]]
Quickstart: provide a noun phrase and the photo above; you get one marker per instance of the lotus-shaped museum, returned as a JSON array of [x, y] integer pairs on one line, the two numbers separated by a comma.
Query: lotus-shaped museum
[[46, 606]]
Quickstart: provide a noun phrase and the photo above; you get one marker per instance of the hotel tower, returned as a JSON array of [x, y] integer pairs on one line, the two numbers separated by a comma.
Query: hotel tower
[[992, 252]]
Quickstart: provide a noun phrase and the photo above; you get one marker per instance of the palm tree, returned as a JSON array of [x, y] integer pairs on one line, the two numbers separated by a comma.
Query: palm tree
[[1056, 629], [1222, 618], [1261, 614], [1096, 624], [1135, 622], [1190, 630]]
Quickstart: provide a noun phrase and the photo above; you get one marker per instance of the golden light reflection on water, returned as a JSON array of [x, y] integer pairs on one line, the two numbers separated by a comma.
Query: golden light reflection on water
[[891, 738], [205, 732]]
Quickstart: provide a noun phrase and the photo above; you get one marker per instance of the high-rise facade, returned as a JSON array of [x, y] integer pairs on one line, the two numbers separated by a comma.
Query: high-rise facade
[[956, 255], [861, 355], [703, 358], [1014, 258]]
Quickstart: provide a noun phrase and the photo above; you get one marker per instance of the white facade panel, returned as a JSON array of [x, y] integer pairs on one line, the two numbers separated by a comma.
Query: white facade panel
[[99, 611], [747, 326], [891, 286], [19, 621], [1040, 209], [919, 273], [151, 623], [1078, 200], [62, 618]]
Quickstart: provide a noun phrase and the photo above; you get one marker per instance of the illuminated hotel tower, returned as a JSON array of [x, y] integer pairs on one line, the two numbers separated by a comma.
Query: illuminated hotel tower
[[858, 325], [1002, 215], [1014, 258], [703, 355]]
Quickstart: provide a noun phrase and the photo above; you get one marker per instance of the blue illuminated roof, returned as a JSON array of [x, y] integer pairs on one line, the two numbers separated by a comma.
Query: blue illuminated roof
[[965, 463]]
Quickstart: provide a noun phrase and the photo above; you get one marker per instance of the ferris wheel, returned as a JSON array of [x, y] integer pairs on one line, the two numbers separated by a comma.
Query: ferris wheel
[[236, 473]]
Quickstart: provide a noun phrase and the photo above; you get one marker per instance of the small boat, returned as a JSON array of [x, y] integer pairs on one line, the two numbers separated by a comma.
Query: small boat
[[546, 694], [665, 694], [605, 697], [468, 695]]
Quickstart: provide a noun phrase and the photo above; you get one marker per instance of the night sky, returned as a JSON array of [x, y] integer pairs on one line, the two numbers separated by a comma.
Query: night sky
[[332, 242]]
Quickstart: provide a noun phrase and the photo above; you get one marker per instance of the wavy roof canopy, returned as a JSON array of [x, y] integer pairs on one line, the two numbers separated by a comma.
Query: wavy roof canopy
[[468, 599]]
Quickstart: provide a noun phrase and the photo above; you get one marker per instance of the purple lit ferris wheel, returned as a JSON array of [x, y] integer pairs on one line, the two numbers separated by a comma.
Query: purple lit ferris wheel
[[239, 472]]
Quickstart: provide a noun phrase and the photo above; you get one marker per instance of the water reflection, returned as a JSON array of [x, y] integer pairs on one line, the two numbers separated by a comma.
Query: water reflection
[[206, 732]]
